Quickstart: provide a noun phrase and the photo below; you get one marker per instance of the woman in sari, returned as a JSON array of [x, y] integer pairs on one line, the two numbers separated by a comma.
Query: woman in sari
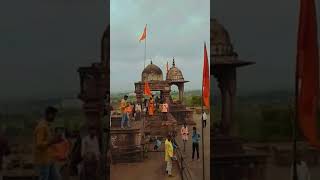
[[151, 106]]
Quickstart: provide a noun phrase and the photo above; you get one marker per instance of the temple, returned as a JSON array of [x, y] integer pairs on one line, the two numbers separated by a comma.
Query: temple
[[127, 144]]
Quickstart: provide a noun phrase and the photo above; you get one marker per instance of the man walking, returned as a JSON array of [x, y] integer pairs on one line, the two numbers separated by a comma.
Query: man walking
[[43, 141], [168, 155], [195, 142], [123, 106]]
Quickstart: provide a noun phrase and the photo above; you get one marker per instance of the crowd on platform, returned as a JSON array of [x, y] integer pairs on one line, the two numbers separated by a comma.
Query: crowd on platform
[[149, 107]]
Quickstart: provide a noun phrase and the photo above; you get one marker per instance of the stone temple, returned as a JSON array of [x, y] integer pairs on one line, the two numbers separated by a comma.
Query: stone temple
[[154, 76], [127, 145]]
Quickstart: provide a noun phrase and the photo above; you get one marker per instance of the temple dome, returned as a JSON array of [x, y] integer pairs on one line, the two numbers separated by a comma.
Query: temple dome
[[152, 73], [174, 74], [220, 40]]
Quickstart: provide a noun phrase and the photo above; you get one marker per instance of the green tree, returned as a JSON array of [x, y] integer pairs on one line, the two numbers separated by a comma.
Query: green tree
[[196, 101]]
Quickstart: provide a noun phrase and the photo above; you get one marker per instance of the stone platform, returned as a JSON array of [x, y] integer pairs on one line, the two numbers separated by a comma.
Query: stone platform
[[228, 155]]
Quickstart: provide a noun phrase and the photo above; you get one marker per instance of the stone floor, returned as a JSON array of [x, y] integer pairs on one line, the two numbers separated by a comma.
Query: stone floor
[[195, 166], [152, 168]]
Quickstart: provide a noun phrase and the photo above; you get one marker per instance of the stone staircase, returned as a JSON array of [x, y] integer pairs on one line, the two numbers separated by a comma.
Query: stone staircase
[[155, 126]]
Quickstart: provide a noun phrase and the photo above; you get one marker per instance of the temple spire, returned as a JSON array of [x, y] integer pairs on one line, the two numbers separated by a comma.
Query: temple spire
[[173, 63]]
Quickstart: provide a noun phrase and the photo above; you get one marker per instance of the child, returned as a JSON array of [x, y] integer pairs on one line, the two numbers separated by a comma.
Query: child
[[157, 145]]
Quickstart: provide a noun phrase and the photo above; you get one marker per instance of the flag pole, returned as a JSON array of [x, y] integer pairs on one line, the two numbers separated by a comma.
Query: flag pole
[[145, 49], [294, 126], [294, 133], [202, 125]]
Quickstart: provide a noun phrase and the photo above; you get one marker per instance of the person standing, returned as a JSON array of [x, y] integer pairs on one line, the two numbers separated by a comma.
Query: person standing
[[138, 111], [91, 155], [76, 154], [303, 172], [151, 106], [43, 141], [123, 106], [168, 155], [164, 110], [204, 118], [145, 108], [184, 134], [133, 110], [128, 111], [195, 142]]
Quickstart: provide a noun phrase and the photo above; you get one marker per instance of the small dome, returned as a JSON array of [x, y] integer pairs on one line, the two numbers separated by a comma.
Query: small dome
[[174, 74], [220, 40], [152, 73]]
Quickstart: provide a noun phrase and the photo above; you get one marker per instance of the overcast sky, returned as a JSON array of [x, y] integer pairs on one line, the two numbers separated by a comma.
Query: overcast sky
[[43, 42], [264, 32], [175, 29]]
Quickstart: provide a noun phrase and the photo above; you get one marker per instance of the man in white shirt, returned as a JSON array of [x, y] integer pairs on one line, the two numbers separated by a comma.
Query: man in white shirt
[[303, 172], [138, 111], [90, 153], [204, 118]]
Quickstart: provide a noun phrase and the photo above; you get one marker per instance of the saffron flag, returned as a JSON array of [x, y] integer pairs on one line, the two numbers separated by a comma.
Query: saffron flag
[[147, 90], [144, 34], [307, 72], [205, 80]]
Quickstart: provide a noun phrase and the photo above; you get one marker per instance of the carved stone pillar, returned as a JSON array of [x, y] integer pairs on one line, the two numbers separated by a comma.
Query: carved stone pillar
[[227, 83], [166, 95], [181, 92]]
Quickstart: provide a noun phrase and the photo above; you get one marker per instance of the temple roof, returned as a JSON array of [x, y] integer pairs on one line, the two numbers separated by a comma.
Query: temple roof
[[219, 35], [175, 74], [152, 72], [222, 51]]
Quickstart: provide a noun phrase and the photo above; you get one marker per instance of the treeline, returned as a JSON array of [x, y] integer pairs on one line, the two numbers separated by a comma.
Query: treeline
[[22, 124], [261, 122]]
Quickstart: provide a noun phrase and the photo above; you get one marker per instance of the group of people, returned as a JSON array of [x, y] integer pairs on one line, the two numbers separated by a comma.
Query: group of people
[[171, 146], [195, 139], [51, 148], [133, 110], [129, 111], [154, 104]]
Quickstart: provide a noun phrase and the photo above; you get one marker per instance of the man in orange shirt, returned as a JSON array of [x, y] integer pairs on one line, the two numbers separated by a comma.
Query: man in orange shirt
[[43, 141], [123, 106], [128, 110]]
